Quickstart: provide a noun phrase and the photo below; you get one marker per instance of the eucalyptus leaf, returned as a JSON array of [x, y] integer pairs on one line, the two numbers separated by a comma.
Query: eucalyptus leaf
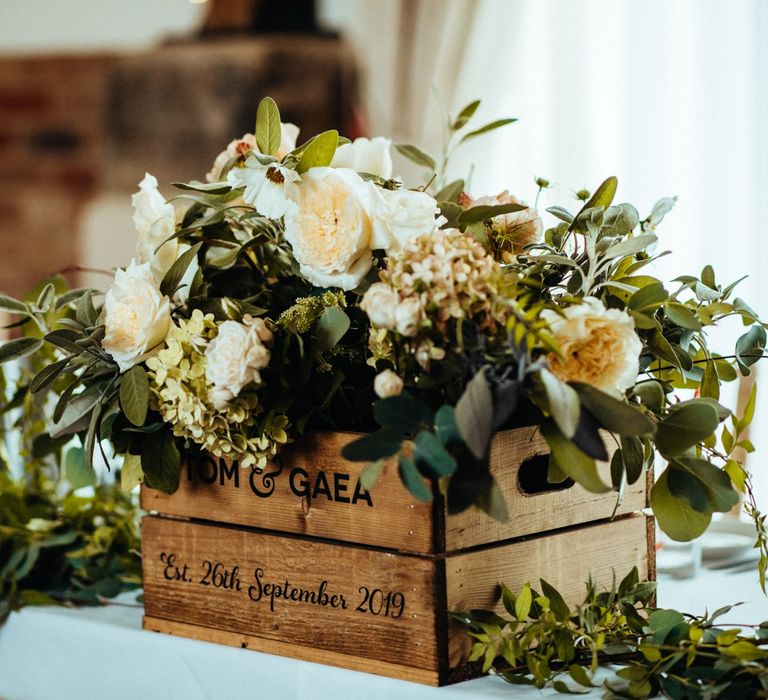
[[429, 450], [685, 427], [413, 480], [674, 515], [614, 415]]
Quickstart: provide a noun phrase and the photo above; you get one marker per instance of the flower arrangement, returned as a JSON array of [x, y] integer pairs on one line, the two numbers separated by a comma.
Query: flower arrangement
[[305, 288]]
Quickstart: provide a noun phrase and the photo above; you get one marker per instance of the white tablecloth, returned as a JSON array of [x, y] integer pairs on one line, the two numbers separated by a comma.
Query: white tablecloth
[[103, 654]]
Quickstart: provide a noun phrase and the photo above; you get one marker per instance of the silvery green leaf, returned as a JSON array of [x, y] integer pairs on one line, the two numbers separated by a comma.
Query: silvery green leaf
[[563, 402], [661, 209], [630, 246], [416, 155]]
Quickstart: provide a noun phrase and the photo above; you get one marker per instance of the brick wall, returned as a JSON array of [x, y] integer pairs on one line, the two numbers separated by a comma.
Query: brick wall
[[75, 127]]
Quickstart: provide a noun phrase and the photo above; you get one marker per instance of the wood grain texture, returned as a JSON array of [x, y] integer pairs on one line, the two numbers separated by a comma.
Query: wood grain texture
[[540, 512], [409, 639], [295, 651], [565, 559], [395, 520]]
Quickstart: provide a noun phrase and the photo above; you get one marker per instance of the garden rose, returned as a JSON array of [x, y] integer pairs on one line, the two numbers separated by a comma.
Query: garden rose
[[399, 216], [366, 156], [380, 302], [599, 346], [330, 231], [234, 358], [387, 383], [155, 222], [136, 316]]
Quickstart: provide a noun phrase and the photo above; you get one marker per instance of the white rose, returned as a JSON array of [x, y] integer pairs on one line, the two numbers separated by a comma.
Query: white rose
[[408, 316], [270, 188], [399, 216], [366, 156], [288, 135], [599, 346], [380, 302], [330, 231], [136, 316], [387, 383], [234, 358], [155, 222]]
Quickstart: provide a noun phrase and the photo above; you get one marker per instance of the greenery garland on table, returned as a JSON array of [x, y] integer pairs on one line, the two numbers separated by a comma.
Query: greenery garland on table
[[544, 642], [63, 537]]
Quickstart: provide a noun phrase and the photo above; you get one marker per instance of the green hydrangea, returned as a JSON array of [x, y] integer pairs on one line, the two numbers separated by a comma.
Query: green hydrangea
[[180, 393]]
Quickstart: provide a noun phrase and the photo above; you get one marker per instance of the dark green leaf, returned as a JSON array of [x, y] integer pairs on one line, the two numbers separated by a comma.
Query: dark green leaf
[[557, 605], [176, 273], [161, 461], [445, 425], [614, 415], [647, 298], [602, 197], [206, 187], [651, 393], [451, 192], [571, 460], [632, 455], [75, 470], [404, 413], [703, 485], [373, 446], [684, 427], [86, 313], [134, 395], [48, 374], [66, 340]]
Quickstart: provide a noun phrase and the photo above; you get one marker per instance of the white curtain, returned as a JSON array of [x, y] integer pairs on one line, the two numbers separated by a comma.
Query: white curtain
[[668, 95]]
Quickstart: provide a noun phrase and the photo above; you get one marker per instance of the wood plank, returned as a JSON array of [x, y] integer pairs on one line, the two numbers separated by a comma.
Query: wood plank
[[566, 559], [309, 491], [533, 513], [292, 590], [295, 651]]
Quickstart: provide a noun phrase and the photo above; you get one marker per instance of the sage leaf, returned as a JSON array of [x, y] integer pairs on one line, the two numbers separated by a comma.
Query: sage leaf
[[474, 415], [175, 274], [416, 155], [563, 403], [268, 129], [16, 349]]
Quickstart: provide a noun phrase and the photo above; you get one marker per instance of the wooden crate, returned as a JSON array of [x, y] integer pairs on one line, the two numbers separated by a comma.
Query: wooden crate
[[298, 560]]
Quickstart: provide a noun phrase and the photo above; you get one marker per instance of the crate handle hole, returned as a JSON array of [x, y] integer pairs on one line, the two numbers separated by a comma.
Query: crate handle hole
[[532, 477]]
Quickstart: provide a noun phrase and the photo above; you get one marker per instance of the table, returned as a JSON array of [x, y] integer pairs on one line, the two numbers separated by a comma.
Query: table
[[102, 653]]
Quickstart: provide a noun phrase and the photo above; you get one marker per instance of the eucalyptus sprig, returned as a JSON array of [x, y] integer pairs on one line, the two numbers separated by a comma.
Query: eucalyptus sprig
[[542, 641]]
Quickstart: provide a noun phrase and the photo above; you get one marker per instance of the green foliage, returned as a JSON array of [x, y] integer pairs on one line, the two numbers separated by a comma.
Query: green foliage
[[653, 651]]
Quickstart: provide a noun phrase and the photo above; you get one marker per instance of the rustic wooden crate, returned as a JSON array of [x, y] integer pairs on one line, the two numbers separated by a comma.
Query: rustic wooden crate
[[212, 489], [367, 583]]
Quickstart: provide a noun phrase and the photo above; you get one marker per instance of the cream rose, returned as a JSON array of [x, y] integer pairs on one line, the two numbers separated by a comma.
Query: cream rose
[[599, 346], [155, 222], [136, 316], [366, 156], [330, 231], [387, 383], [520, 228], [234, 358], [399, 216], [380, 303]]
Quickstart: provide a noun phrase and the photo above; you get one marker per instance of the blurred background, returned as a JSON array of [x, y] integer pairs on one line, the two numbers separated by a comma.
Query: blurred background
[[669, 95]]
